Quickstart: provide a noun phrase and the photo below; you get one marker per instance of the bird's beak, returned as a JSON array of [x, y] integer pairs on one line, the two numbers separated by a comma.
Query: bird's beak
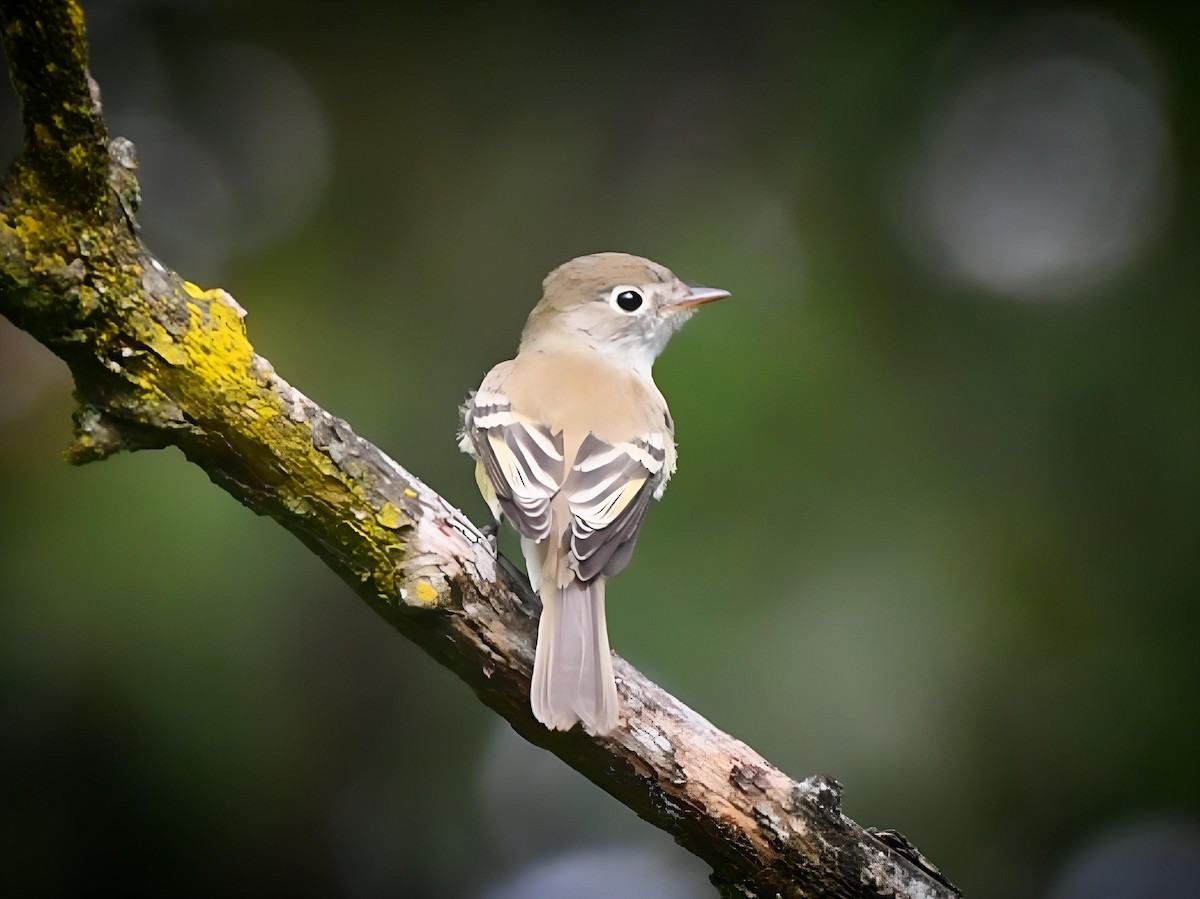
[[698, 296]]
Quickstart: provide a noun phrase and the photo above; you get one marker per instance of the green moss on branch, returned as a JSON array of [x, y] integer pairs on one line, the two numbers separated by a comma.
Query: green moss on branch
[[66, 143]]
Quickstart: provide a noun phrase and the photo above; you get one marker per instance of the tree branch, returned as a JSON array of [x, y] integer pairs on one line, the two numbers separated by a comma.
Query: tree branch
[[158, 361]]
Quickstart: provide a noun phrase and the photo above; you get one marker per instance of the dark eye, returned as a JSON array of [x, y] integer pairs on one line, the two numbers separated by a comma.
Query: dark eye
[[629, 300]]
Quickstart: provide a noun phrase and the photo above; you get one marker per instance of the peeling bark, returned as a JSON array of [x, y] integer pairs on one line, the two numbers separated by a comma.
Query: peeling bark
[[159, 361]]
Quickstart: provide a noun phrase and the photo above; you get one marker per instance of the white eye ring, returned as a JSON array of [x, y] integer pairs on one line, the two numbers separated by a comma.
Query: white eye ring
[[627, 299]]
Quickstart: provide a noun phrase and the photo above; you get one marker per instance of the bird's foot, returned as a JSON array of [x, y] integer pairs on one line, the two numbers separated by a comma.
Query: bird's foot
[[492, 533]]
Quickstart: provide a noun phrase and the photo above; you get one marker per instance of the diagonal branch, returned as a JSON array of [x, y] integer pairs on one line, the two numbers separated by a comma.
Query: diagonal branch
[[158, 361]]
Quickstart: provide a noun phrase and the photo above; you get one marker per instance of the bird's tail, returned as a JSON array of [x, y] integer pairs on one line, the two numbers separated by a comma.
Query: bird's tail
[[572, 669]]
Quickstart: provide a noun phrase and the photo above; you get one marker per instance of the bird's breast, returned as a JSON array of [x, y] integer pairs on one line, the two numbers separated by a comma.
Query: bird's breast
[[584, 393]]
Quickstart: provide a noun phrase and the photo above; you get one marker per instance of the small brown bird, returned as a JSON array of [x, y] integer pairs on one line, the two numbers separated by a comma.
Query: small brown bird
[[572, 440]]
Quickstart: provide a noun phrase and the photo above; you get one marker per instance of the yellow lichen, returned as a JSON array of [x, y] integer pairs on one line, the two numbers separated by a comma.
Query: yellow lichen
[[79, 156], [164, 345], [389, 516], [214, 295], [426, 593], [217, 345], [259, 409]]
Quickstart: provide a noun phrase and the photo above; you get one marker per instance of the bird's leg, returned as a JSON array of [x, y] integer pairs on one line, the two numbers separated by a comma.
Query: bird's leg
[[492, 533]]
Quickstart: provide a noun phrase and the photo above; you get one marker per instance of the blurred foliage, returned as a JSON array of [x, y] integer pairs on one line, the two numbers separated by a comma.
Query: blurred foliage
[[932, 536]]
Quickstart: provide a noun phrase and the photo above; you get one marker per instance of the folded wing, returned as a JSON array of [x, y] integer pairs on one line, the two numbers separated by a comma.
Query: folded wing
[[608, 491], [523, 460]]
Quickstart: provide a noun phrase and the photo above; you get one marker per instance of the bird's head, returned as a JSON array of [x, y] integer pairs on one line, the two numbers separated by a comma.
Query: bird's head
[[621, 305]]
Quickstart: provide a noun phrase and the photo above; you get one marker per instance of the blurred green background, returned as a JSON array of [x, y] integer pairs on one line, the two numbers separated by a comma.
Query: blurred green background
[[936, 526]]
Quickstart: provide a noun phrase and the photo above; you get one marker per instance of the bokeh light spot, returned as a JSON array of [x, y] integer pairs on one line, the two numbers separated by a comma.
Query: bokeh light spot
[[1045, 171]]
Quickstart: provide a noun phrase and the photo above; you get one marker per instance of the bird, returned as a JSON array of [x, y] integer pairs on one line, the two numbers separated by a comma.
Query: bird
[[572, 439]]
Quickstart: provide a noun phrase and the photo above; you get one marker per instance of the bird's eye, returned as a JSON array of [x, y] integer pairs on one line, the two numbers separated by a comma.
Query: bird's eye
[[627, 299]]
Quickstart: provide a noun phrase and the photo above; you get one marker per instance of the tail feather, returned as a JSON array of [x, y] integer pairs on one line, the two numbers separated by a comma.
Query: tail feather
[[572, 669]]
